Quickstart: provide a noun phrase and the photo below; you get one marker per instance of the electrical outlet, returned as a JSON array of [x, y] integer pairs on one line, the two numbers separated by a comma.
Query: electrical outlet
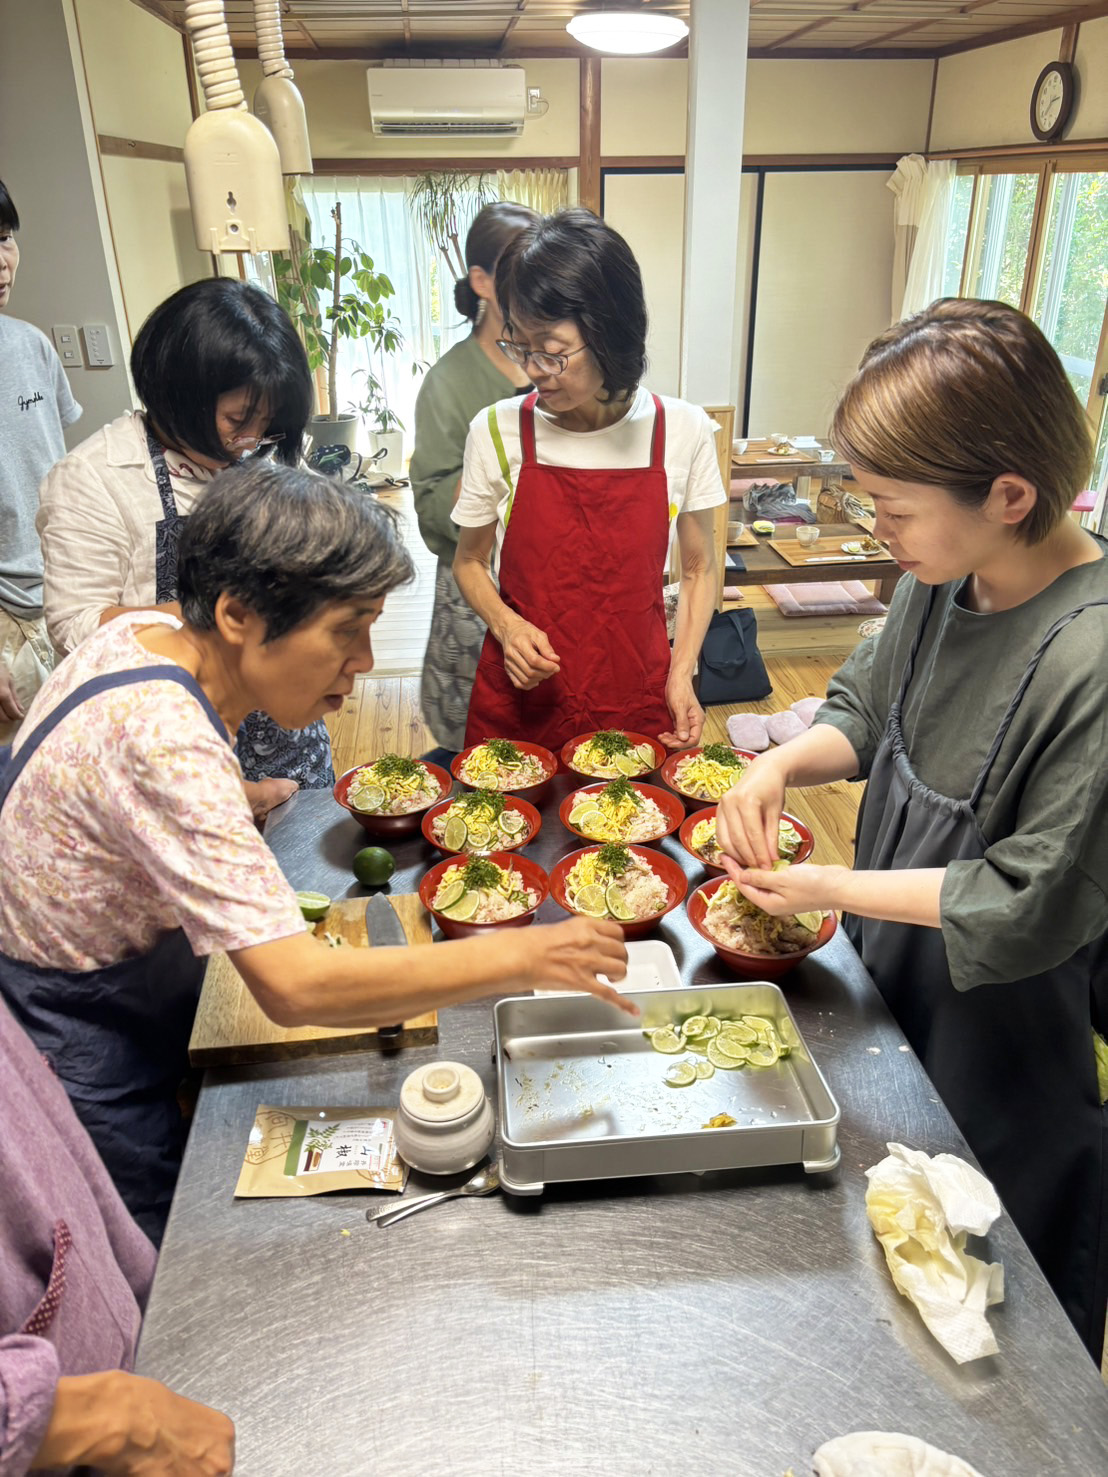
[[534, 100], [68, 345], [98, 345]]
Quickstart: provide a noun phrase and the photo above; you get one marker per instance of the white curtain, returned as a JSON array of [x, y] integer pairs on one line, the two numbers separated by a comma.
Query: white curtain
[[544, 190], [375, 215], [924, 197]]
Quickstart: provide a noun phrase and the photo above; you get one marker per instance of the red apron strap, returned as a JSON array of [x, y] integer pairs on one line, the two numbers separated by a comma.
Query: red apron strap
[[527, 427], [658, 443]]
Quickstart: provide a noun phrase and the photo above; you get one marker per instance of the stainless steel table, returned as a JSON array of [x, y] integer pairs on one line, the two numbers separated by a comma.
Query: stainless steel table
[[723, 1325]]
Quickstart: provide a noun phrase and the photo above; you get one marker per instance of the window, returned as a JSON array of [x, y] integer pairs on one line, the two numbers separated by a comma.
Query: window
[[1000, 235], [1073, 279]]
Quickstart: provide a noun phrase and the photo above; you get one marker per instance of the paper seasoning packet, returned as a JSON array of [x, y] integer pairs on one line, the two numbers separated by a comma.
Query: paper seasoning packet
[[308, 1151]]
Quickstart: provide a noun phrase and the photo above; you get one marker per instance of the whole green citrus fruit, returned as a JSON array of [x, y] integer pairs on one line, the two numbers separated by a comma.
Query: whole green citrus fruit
[[373, 866]]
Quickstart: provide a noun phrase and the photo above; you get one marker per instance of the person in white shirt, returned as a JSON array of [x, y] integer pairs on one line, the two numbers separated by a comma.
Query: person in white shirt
[[575, 493], [222, 376], [35, 404]]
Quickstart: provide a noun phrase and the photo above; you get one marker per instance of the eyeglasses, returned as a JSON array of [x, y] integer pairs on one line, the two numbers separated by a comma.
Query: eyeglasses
[[545, 363], [253, 445]]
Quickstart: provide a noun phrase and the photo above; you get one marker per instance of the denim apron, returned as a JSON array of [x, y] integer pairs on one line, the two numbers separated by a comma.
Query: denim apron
[[263, 748], [117, 1037], [1013, 1062]]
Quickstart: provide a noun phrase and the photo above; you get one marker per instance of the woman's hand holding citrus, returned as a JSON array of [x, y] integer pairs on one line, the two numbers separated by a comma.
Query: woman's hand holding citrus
[[569, 956], [529, 657], [802, 888], [747, 818]]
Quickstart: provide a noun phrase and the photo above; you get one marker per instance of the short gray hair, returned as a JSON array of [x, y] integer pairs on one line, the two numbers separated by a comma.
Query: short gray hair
[[286, 542]]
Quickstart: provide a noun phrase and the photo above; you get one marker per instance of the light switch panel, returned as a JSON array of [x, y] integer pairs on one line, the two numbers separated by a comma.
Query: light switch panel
[[98, 345], [68, 345]]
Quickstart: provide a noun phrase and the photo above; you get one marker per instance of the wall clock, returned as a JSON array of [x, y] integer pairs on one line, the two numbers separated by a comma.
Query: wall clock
[[1052, 100]]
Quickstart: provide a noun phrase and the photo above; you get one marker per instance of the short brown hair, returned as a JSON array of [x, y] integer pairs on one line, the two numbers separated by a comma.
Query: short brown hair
[[960, 394]]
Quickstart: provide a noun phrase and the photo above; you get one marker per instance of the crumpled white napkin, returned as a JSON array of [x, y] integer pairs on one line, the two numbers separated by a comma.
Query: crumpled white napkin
[[921, 1209], [887, 1454]]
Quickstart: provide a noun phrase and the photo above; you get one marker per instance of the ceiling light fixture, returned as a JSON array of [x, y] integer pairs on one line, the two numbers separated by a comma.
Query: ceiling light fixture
[[628, 32]]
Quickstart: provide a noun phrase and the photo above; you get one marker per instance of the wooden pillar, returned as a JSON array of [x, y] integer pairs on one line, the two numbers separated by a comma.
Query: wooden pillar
[[710, 351], [588, 181]]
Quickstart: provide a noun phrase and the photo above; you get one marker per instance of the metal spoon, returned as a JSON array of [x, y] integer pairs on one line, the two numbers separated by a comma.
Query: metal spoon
[[484, 1182]]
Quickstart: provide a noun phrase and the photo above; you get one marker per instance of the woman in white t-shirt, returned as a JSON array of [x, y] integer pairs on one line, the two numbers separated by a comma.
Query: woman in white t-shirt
[[575, 491]]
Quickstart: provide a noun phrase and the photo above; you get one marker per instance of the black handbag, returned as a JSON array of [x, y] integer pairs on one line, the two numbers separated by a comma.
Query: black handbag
[[731, 668]]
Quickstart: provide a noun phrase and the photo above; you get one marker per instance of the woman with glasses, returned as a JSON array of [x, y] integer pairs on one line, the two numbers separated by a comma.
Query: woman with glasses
[[575, 492], [221, 376], [470, 376]]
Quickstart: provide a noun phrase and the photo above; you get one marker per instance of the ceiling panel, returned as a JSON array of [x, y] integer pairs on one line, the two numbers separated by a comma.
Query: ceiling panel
[[515, 27]]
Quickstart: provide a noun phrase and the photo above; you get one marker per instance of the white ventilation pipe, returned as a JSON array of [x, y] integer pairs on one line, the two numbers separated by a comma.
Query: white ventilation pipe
[[271, 41], [232, 165], [215, 60], [277, 100]]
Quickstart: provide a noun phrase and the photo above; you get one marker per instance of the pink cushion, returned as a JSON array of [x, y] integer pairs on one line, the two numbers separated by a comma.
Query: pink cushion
[[748, 731], [739, 485], [807, 708], [830, 597], [1084, 502], [782, 727]]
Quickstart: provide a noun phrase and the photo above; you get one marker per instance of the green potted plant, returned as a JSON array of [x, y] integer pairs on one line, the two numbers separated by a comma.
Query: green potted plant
[[373, 410], [308, 273]]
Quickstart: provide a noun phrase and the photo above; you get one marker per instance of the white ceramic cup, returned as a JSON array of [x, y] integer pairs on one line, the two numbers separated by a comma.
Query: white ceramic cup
[[807, 535], [444, 1122]]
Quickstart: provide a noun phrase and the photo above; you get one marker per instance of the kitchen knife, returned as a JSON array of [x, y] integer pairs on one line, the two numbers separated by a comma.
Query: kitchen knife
[[383, 927]]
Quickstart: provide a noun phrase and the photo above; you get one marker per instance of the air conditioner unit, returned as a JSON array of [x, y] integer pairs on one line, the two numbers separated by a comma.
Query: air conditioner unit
[[433, 99]]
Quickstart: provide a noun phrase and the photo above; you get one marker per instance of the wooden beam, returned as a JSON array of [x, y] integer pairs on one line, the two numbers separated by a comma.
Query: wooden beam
[[190, 77], [1025, 151], [154, 8], [407, 21], [134, 148], [588, 183], [513, 22], [931, 105], [1069, 43], [1028, 28], [823, 20], [391, 166], [922, 25]]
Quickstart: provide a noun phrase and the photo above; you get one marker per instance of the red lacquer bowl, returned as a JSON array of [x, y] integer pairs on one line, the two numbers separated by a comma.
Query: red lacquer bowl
[[511, 802], [668, 804], [532, 874], [570, 748], [666, 868], [669, 769], [391, 825], [751, 966], [535, 793], [707, 813]]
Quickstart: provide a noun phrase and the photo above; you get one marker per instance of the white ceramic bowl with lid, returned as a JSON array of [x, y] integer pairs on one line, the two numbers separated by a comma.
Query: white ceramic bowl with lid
[[445, 1123]]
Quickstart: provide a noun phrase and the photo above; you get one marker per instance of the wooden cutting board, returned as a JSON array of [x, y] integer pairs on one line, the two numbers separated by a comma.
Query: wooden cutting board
[[827, 548], [231, 1026]]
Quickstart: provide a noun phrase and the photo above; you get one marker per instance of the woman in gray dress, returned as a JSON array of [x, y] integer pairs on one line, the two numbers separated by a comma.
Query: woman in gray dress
[[469, 377], [979, 716]]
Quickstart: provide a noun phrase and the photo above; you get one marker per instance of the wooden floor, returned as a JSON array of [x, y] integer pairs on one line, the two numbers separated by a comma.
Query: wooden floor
[[382, 716]]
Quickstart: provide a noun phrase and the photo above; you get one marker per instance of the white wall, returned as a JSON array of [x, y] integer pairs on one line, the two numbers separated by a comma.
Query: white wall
[[138, 89], [656, 201], [983, 97], [67, 272], [336, 98], [824, 284]]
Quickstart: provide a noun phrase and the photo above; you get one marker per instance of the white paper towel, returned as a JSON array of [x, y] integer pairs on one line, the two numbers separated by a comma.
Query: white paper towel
[[921, 1209], [886, 1454]]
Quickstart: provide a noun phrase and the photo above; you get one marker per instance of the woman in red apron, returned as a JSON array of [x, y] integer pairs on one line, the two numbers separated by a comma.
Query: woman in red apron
[[577, 489], [978, 717]]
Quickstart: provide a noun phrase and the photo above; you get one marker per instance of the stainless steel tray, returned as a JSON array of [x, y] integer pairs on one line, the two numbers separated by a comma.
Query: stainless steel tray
[[583, 1094]]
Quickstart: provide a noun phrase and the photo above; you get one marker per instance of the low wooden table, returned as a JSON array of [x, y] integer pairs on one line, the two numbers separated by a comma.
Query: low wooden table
[[764, 566], [801, 466]]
